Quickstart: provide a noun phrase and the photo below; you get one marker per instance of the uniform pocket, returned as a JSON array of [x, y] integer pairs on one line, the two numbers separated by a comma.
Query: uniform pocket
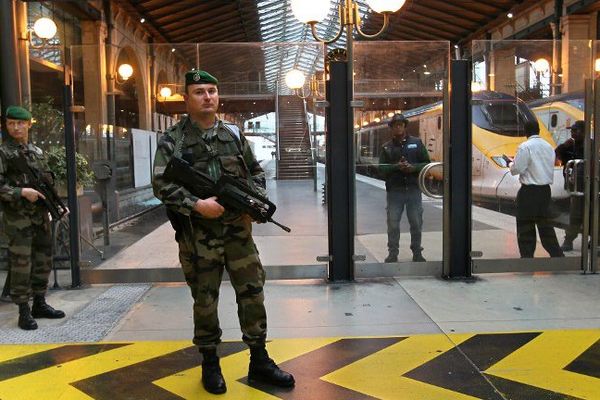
[[232, 165]]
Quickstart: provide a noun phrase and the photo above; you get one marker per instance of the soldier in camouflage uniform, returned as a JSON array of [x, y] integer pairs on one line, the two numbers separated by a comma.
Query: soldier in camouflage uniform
[[26, 222], [212, 238]]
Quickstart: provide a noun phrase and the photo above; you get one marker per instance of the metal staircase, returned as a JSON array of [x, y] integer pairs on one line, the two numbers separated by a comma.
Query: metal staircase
[[295, 158]]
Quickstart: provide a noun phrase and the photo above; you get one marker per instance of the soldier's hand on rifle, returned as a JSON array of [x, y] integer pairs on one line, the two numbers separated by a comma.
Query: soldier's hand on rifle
[[209, 208], [31, 195]]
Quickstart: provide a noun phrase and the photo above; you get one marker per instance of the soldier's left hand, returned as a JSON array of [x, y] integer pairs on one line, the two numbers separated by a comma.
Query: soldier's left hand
[[31, 195]]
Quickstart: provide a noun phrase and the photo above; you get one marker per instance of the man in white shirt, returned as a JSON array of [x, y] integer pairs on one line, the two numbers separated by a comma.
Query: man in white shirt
[[534, 163]]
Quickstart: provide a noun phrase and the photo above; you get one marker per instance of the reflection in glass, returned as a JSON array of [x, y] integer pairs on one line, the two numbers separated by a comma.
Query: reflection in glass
[[500, 113], [531, 82]]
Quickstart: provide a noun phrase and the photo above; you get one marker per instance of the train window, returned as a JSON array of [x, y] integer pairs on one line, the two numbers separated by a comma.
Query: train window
[[505, 118], [577, 103], [553, 120]]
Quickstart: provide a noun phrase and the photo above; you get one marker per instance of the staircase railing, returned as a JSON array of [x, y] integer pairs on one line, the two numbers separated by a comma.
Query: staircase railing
[[312, 135]]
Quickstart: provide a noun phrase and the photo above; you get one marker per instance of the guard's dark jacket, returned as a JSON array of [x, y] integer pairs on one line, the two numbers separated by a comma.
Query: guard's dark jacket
[[571, 150], [413, 150]]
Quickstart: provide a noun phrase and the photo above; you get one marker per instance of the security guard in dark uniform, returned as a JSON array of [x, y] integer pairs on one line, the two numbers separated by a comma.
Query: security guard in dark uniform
[[212, 238], [26, 222], [573, 149], [400, 161]]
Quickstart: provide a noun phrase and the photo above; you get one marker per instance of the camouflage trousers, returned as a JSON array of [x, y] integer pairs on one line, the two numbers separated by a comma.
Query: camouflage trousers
[[221, 246], [29, 256]]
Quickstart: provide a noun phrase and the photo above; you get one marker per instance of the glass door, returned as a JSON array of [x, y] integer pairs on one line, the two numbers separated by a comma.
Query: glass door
[[400, 123], [529, 101]]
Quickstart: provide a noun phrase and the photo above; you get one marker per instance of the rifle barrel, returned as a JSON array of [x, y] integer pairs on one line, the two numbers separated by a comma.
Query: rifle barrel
[[285, 228]]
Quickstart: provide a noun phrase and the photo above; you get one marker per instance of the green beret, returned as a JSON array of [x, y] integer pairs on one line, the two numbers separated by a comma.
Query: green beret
[[16, 112], [198, 77]]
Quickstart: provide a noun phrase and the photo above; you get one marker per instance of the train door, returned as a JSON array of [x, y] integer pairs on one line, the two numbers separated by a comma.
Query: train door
[[398, 229], [529, 220]]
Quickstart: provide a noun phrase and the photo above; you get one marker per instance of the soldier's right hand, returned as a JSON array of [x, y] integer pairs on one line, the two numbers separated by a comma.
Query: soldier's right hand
[[31, 195], [209, 208]]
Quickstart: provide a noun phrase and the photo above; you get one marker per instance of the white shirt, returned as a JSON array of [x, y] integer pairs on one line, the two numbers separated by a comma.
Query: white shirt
[[534, 162]]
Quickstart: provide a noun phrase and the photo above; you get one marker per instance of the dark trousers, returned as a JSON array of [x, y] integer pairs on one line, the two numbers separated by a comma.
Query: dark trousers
[[533, 209], [397, 201], [575, 218]]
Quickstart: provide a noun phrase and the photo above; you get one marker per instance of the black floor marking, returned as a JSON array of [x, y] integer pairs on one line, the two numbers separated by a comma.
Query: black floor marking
[[49, 358], [520, 391], [134, 382], [452, 371], [588, 363], [309, 368]]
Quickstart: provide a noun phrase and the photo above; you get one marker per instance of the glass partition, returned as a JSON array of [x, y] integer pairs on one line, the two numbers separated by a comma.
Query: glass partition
[[286, 129], [516, 83], [399, 83], [122, 119]]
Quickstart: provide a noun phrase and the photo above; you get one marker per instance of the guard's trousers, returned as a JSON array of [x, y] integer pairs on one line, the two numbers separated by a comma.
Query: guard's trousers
[[29, 256], [213, 247], [533, 209]]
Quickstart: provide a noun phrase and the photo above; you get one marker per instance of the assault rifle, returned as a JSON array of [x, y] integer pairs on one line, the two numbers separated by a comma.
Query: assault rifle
[[232, 193], [42, 184]]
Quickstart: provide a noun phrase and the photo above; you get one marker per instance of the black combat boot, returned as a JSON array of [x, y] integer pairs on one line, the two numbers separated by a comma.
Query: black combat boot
[[263, 369], [212, 378], [418, 257], [26, 321], [41, 309], [391, 258]]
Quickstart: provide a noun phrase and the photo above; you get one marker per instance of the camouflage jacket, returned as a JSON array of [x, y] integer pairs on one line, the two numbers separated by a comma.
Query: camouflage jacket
[[213, 151], [12, 182]]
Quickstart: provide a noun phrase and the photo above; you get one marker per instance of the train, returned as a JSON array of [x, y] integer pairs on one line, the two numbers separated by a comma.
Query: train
[[559, 112], [497, 130]]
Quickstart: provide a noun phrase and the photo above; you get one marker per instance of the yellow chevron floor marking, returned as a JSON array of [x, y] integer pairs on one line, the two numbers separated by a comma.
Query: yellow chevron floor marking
[[187, 383], [12, 351], [54, 382], [540, 363], [380, 375]]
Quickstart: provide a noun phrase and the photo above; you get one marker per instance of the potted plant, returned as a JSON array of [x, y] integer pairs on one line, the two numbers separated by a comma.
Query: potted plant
[[47, 132], [57, 163]]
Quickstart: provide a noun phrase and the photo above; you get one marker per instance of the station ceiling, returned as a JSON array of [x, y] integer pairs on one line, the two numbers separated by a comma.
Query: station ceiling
[[192, 21], [272, 21]]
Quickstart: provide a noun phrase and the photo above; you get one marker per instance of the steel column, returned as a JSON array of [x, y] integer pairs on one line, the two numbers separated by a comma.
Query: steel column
[[595, 184], [457, 175], [587, 174], [10, 80], [340, 176], [71, 175]]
